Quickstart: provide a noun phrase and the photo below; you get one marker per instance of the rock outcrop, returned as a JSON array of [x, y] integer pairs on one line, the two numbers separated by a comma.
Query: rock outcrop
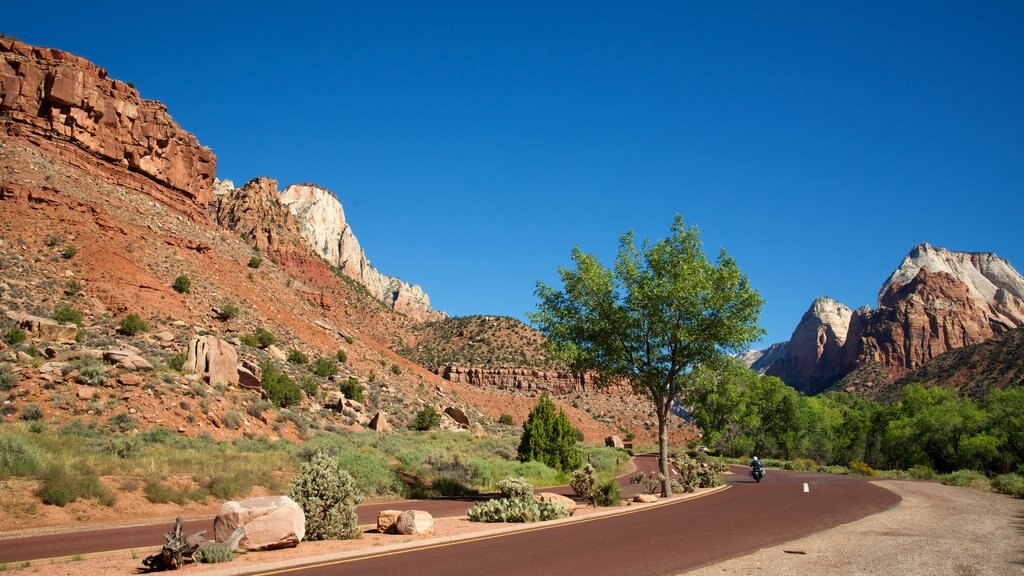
[[760, 360], [323, 223], [214, 359], [66, 104], [813, 357]]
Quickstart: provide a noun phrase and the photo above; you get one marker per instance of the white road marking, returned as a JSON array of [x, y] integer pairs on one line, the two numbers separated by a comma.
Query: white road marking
[[806, 487]]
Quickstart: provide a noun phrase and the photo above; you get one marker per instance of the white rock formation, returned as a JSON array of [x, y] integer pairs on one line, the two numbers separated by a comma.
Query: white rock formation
[[324, 226]]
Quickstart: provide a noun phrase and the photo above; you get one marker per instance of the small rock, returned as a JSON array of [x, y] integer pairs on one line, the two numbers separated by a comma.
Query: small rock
[[86, 393], [164, 336], [645, 498], [130, 380]]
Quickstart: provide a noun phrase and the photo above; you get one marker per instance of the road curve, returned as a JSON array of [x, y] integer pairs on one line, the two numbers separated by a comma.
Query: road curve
[[662, 540]]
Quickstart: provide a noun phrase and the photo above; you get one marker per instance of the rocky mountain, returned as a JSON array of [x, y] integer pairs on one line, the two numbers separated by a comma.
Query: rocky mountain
[[760, 360], [937, 300], [324, 225]]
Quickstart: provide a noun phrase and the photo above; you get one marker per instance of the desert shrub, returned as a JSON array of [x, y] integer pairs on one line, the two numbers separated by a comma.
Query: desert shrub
[[516, 510], [396, 369], [232, 420], [15, 336], [76, 428], [281, 390], [651, 481], [159, 493], [91, 374], [689, 472], [296, 356], [124, 422], [8, 379], [921, 472], [506, 419], [609, 493], [858, 468], [260, 338], [967, 479], [327, 494], [584, 483], [515, 487], [32, 412], [124, 446], [324, 367], [182, 284], [310, 386], [72, 287], [37, 427], [61, 486], [255, 261], [227, 485], [426, 419], [214, 554], [52, 240], [256, 409], [804, 465], [131, 325], [68, 313], [352, 389], [548, 437], [158, 435], [349, 340], [228, 310], [69, 252], [1009, 484], [18, 457], [177, 362], [342, 356]]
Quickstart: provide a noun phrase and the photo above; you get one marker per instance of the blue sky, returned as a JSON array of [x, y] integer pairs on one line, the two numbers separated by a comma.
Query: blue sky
[[474, 144]]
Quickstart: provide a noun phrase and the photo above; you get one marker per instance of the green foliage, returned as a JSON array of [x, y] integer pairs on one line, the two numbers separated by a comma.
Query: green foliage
[[228, 310], [18, 457], [52, 240], [62, 486], [32, 412], [255, 261], [609, 493], [586, 484], [177, 362], [426, 419], [182, 284], [353, 390], [324, 367], [921, 472], [69, 252], [696, 472], [859, 468], [804, 464], [281, 390], [349, 340], [516, 510], [296, 356], [515, 487], [548, 437], [123, 422], [72, 287], [327, 495], [660, 312], [506, 419], [260, 338], [342, 356], [310, 386], [15, 336], [124, 446], [8, 380], [91, 373], [132, 324], [966, 478], [214, 554], [67, 313], [1009, 484], [396, 369]]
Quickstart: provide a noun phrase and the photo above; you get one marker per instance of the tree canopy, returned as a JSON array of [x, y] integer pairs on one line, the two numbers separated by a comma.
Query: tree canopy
[[663, 310]]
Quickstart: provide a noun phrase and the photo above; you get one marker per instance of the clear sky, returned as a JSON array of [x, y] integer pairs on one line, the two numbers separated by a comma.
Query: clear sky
[[474, 144]]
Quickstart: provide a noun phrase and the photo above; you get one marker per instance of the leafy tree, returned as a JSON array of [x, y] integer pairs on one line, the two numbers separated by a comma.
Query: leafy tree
[[661, 312], [549, 437]]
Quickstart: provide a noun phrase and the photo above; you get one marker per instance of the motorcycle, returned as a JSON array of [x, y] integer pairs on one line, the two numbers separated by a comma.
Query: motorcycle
[[757, 474]]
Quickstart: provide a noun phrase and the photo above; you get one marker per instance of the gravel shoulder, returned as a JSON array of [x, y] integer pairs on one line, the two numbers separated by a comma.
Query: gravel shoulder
[[935, 530]]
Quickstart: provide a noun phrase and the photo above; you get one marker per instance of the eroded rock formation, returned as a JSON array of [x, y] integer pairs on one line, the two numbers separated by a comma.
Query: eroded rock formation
[[529, 379], [813, 358]]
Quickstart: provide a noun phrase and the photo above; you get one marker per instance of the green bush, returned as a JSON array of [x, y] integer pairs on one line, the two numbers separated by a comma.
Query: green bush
[[159, 493], [585, 483], [342, 356], [8, 380], [91, 374], [352, 390], [214, 554], [52, 240], [61, 486], [260, 338], [426, 419], [182, 284], [967, 479], [609, 493], [31, 413], [72, 287], [18, 457], [255, 261], [804, 465], [516, 510], [132, 324], [515, 487], [921, 472], [310, 386], [324, 367], [1009, 484], [15, 336], [227, 311], [123, 422], [548, 437], [229, 484], [858, 468], [67, 313], [281, 390], [328, 496], [124, 446], [396, 369], [69, 252], [506, 419], [296, 356], [177, 362]]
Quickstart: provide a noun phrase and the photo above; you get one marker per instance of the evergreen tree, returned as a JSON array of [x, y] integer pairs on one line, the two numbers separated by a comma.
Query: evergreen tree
[[549, 437]]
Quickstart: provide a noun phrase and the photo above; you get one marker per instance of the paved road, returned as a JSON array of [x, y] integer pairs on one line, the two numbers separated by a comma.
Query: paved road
[[147, 536], [665, 540]]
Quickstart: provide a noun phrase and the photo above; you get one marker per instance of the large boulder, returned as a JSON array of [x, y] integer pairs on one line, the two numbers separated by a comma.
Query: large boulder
[[379, 423], [614, 442], [457, 415], [270, 522], [126, 359], [386, 520], [214, 359], [414, 523], [45, 329], [568, 503]]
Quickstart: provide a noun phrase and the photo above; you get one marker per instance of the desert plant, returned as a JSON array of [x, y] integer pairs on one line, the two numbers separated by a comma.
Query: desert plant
[[8, 379], [342, 356], [609, 493], [921, 472], [396, 369], [255, 261], [124, 446], [52, 240], [426, 419], [69, 252], [549, 438], [232, 420], [352, 390], [214, 554], [584, 483], [72, 287], [516, 510], [296, 356], [15, 336], [132, 324], [91, 374], [260, 338], [67, 313], [18, 457], [515, 487], [228, 310], [182, 284], [124, 422], [324, 367], [506, 419], [1009, 484], [859, 468], [966, 478], [177, 362], [61, 486], [32, 412], [327, 494], [651, 481], [281, 390]]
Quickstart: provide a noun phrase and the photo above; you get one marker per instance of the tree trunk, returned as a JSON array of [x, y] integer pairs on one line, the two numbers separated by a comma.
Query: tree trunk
[[666, 479]]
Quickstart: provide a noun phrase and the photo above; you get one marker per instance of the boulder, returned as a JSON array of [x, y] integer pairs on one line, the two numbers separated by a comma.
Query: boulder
[[645, 498], [357, 406], [613, 442], [569, 504], [45, 329], [214, 359], [126, 359], [334, 400], [386, 520], [457, 415], [415, 523], [379, 423], [276, 353], [270, 522]]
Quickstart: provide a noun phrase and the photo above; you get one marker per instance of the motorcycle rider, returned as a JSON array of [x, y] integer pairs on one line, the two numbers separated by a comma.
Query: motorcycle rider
[[756, 465]]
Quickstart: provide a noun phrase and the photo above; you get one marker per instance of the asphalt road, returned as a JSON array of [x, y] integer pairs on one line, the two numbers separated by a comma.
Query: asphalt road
[[668, 539]]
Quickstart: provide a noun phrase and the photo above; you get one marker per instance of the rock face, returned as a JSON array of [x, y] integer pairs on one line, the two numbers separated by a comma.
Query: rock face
[[213, 359], [64, 103], [270, 522], [760, 360], [936, 301], [324, 225], [813, 357]]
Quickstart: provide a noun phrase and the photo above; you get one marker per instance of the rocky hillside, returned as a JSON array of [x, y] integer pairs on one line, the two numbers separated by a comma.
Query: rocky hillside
[[936, 301]]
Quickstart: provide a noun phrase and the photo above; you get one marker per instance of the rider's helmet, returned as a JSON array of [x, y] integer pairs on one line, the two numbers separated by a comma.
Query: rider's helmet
[[755, 457]]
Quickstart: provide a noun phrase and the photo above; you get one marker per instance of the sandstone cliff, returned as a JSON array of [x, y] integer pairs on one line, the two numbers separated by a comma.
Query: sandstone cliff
[[323, 224], [813, 357], [760, 360], [71, 107]]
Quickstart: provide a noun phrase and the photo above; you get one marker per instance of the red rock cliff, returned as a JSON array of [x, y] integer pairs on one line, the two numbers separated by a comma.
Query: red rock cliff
[[68, 105]]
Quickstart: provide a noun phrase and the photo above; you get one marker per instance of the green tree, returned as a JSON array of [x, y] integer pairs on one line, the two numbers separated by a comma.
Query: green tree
[[661, 312], [549, 437]]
